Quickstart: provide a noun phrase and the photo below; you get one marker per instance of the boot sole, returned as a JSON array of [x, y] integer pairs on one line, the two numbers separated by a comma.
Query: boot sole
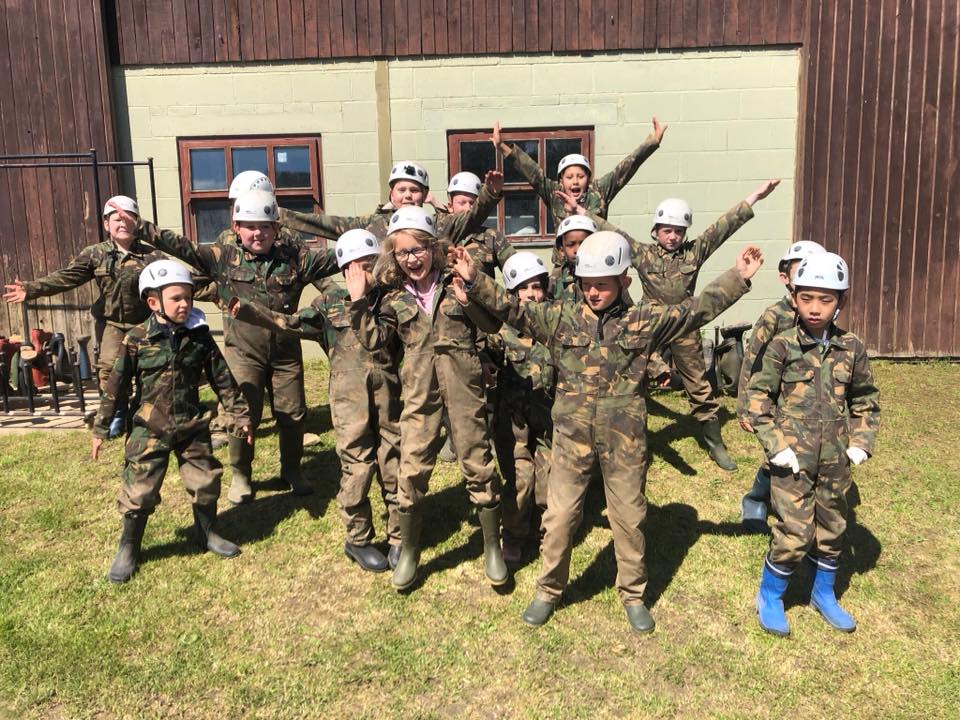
[[827, 621], [401, 588]]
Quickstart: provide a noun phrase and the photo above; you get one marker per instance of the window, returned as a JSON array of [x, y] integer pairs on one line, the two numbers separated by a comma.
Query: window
[[207, 165], [522, 216]]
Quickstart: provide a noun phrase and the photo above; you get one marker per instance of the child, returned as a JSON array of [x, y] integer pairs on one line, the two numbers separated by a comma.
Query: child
[[600, 348], [441, 369], [523, 431], [115, 266], [815, 409], [571, 231], [256, 267], [168, 357], [777, 318], [364, 401]]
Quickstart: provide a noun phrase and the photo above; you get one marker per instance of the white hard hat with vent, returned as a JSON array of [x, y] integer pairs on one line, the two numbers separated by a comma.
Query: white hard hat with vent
[[603, 254], [412, 217], [160, 273], [249, 180], [520, 267], [355, 244]]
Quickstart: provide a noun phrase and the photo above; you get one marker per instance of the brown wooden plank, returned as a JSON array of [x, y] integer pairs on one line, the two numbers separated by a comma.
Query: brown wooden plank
[[610, 23], [505, 25], [207, 35], [363, 27], [662, 20], [530, 27], [545, 25], [493, 27], [271, 28], [571, 20], [466, 27], [335, 24], [402, 19], [454, 41], [373, 30], [219, 30], [126, 34], [350, 26], [298, 19], [232, 30], [388, 29], [596, 24], [478, 23], [731, 22], [310, 43], [284, 28], [637, 40]]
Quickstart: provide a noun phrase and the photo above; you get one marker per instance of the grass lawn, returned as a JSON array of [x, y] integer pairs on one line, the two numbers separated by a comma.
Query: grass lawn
[[292, 629]]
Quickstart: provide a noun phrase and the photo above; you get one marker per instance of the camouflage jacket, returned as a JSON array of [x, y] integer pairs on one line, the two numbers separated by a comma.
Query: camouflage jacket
[[327, 321], [671, 277], [455, 228], [562, 284], [599, 194], [168, 363], [604, 356], [489, 248], [778, 318], [807, 392], [275, 279], [117, 276], [526, 374]]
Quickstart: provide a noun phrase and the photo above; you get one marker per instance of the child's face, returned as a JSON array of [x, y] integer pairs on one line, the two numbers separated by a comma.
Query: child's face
[[176, 301], [574, 180], [533, 290], [817, 307], [366, 263], [787, 274], [414, 258], [459, 202], [570, 244], [406, 192], [256, 237], [601, 292], [121, 226], [670, 237]]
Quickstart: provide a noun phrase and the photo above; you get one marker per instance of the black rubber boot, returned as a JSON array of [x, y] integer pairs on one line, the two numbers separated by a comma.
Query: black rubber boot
[[241, 461], [366, 556], [639, 618], [755, 503], [291, 452], [205, 518], [405, 573], [714, 441], [538, 612], [128, 552], [493, 564], [393, 556]]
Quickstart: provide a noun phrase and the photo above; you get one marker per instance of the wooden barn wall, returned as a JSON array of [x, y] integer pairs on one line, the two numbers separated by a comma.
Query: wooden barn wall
[[208, 31], [878, 177], [54, 97]]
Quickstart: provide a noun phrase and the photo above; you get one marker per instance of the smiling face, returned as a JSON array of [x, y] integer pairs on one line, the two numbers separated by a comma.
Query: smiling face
[[601, 292], [574, 180], [670, 237], [460, 202], [407, 192], [256, 237], [817, 307], [176, 301], [414, 257]]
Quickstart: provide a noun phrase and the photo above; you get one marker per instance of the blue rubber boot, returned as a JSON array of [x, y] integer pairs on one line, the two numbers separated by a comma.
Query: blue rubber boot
[[773, 584], [116, 427], [754, 504], [823, 599]]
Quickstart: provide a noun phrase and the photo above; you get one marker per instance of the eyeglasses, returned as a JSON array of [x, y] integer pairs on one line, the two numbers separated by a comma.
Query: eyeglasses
[[404, 255]]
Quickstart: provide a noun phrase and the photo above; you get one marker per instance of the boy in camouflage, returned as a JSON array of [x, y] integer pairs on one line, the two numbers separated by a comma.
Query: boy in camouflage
[[364, 400], [600, 347], [441, 369], [167, 358], [571, 231], [815, 409], [777, 318], [523, 432]]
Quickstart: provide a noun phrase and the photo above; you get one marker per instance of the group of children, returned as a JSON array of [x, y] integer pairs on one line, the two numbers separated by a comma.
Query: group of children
[[411, 335]]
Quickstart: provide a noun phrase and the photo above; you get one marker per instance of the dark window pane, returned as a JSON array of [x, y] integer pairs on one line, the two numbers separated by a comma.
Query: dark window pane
[[491, 221], [521, 210], [551, 226], [292, 166], [212, 218], [300, 204], [252, 158], [556, 149], [208, 169], [477, 157], [531, 148]]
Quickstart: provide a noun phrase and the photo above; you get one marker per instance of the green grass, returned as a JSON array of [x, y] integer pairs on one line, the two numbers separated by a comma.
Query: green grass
[[292, 629]]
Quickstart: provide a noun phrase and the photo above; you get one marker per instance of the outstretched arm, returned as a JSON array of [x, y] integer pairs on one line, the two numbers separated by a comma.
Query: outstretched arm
[[183, 248], [526, 166], [330, 227], [731, 221], [80, 270], [615, 180]]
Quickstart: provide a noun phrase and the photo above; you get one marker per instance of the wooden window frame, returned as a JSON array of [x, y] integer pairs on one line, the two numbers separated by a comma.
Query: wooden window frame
[[584, 133], [228, 143]]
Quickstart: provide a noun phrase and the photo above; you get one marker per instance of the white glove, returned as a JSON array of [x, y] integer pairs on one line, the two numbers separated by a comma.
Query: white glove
[[786, 458], [857, 455]]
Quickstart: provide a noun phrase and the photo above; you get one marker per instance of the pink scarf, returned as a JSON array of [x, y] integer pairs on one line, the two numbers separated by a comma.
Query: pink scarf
[[424, 300]]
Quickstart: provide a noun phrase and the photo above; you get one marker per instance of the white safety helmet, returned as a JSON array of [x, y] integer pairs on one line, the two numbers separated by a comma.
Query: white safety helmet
[[673, 211], [255, 206], [412, 217], [406, 170], [575, 222], [249, 180], [160, 273], [573, 159], [464, 182], [824, 270], [520, 267], [602, 254], [355, 244], [798, 251], [123, 203]]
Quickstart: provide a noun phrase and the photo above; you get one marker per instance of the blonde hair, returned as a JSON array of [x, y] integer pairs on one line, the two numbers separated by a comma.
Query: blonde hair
[[387, 270]]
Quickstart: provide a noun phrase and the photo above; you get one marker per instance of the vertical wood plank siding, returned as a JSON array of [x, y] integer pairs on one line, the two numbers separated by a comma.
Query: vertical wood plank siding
[[54, 81], [878, 159]]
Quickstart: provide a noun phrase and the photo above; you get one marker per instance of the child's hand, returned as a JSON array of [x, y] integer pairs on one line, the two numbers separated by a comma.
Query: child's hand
[[95, 445], [462, 264], [430, 199], [247, 434], [570, 203], [761, 192], [658, 130], [234, 307], [494, 182], [786, 459], [357, 284], [459, 291], [749, 261], [15, 293], [496, 139]]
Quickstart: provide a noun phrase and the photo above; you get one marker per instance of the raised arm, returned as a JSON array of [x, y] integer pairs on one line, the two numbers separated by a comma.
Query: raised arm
[[309, 323], [181, 247], [525, 165], [330, 227], [615, 180], [468, 222], [731, 221]]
